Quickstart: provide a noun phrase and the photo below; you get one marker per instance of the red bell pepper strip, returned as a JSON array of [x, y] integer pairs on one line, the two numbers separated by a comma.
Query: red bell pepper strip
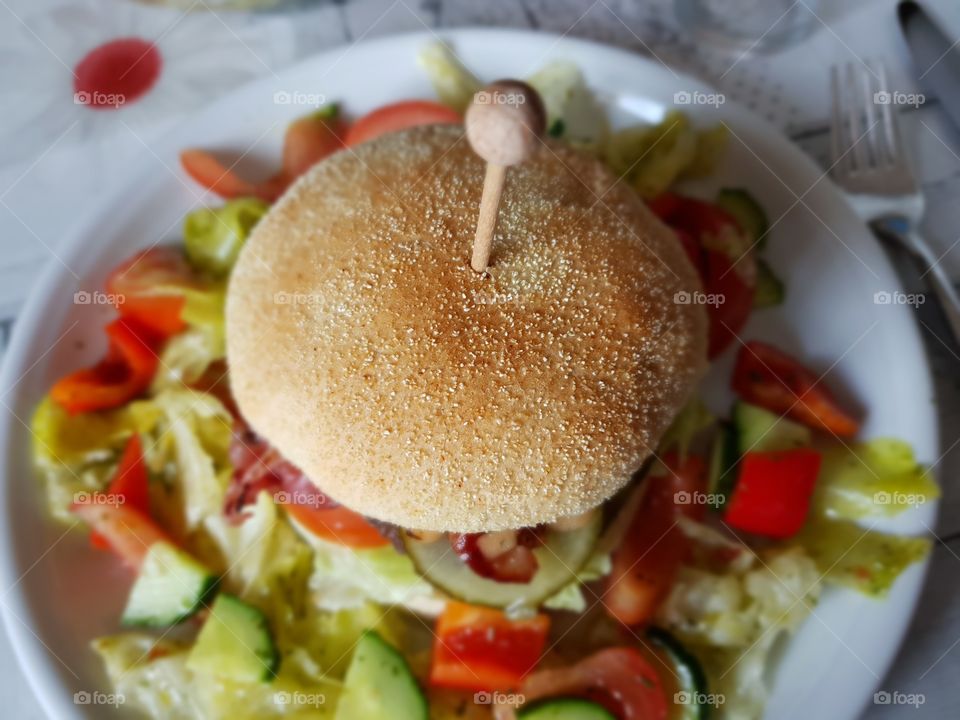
[[770, 378], [646, 562], [130, 485], [479, 648], [400, 116], [772, 496], [125, 372]]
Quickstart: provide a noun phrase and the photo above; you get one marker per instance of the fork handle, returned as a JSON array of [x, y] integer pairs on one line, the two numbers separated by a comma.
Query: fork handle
[[933, 271]]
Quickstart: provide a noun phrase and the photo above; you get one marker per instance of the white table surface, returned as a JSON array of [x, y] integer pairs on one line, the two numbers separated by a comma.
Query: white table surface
[[54, 162]]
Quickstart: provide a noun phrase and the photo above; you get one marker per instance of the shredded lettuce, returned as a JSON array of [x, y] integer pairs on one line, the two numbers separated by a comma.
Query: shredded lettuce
[[346, 578], [189, 452], [573, 112], [78, 453], [877, 478], [152, 677], [858, 557], [731, 620], [186, 357], [212, 237], [453, 83]]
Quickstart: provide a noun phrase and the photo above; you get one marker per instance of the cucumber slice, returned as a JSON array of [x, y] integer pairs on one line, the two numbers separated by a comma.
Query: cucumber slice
[[759, 430], [170, 588], [234, 643], [724, 456], [565, 709], [379, 685], [560, 558], [747, 212], [770, 290], [691, 679]]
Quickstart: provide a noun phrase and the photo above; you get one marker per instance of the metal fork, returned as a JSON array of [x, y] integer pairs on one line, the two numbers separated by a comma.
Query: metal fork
[[870, 162]]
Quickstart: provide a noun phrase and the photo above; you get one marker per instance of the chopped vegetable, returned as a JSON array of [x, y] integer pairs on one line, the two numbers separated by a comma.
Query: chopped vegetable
[[748, 213], [711, 146], [646, 562], [573, 111], [212, 237], [875, 478], [770, 289], [213, 175], [128, 532], [337, 524], [721, 253], [151, 288], [770, 378], [234, 643], [480, 648], [565, 709], [858, 557], [170, 587], [620, 679], [399, 116], [310, 139], [124, 374], [773, 492], [453, 83], [379, 685], [130, 484], [760, 430]]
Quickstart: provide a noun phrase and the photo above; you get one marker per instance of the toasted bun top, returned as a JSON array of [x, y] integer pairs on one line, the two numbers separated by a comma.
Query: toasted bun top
[[415, 391]]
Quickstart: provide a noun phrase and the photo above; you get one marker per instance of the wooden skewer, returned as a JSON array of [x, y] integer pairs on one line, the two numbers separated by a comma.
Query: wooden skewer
[[503, 124]]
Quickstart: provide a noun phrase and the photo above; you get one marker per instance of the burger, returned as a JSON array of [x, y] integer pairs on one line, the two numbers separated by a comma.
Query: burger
[[491, 424]]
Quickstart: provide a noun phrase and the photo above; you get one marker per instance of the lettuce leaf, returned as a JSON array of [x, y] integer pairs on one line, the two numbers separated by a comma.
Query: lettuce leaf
[[858, 557], [78, 453], [152, 677], [731, 621], [453, 83], [189, 452], [213, 237], [872, 479], [345, 578]]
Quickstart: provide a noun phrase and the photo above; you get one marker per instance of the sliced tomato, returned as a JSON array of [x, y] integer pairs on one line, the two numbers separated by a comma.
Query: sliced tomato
[[773, 491], [125, 373], [400, 116], [770, 378], [620, 679], [128, 532], [646, 562], [130, 485], [145, 288], [338, 524], [478, 648], [310, 139]]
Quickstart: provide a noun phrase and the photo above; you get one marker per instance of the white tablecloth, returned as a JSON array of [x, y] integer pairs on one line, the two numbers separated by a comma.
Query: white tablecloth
[[57, 158]]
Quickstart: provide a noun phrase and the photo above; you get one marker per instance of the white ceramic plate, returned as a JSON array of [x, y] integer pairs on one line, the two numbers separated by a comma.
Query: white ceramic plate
[[57, 595]]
